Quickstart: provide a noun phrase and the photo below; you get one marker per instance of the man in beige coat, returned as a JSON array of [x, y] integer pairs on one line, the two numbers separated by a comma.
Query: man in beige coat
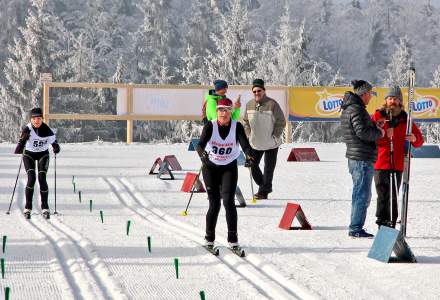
[[264, 123]]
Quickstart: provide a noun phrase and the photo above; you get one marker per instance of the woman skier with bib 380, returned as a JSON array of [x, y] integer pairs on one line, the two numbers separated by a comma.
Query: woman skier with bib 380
[[219, 149], [33, 144]]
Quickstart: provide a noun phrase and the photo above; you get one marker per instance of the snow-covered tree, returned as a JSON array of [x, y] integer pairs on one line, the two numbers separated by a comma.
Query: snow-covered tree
[[197, 29], [154, 42], [234, 57], [40, 48], [264, 65], [12, 16], [192, 69], [291, 61], [284, 62], [120, 71], [377, 53], [396, 72]]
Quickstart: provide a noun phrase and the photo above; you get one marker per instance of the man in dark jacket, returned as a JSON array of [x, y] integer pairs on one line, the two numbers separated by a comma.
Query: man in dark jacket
[[360, 135]]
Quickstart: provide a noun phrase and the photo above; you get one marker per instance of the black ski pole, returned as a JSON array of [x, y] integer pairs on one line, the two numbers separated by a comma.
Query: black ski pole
[[13, 192], [55, 182]]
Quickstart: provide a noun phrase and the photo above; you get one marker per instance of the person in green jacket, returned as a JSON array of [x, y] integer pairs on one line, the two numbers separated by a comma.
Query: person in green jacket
[[210, 103]]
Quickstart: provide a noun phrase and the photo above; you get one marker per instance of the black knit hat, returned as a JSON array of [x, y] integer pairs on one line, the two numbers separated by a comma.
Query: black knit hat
[[258, 83], [36, 112], [361, 87]]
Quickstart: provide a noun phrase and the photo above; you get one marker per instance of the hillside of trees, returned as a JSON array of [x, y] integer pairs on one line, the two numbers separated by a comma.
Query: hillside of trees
[[296, 42]]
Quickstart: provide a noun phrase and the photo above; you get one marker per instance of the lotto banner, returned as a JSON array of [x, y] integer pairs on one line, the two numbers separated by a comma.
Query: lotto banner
[[324, 103]]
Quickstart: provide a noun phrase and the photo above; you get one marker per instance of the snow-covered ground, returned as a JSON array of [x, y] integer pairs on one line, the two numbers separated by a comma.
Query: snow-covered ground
[[75, 256]]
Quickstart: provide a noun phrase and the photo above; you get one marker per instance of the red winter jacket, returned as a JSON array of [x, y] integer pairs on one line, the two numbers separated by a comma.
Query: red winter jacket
[[384, 145]]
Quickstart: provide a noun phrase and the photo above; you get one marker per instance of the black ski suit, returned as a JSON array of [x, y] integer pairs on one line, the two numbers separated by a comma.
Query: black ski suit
[[221, 181], [32, 159]]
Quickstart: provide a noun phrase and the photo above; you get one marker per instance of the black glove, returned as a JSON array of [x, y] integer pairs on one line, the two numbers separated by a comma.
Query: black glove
[[250, 162], [56, 148], [20, 148], [24, 136], [204, 157]]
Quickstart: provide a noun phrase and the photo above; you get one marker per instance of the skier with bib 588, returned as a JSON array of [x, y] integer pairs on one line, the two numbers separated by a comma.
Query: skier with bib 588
[[219, 149], [33, 145]]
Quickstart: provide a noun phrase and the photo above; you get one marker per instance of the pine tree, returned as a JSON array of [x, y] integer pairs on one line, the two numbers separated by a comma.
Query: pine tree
[[40, 48], [377, 51], [234, 57], [264, 65], [120, 71], [154, 42], [291, 64], [396, 72], [192, 69], [12, 16], [284, 64]]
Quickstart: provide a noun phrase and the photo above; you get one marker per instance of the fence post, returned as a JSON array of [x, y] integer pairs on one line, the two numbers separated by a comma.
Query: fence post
[[129, 112], [288, 129], [46, 103]]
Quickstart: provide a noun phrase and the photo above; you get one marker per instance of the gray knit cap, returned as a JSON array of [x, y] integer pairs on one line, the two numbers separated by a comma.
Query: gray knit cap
[[394, 91]]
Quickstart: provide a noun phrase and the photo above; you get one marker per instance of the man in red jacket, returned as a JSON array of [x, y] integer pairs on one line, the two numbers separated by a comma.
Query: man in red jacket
[[391, 150]]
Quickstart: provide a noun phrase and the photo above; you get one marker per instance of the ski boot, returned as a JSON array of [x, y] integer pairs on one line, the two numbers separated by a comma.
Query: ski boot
[[236, 249], [27, 214], [46, 214]]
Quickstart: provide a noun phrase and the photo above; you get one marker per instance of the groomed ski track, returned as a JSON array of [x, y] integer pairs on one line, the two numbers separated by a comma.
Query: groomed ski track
[[251, 268], [83, 270]]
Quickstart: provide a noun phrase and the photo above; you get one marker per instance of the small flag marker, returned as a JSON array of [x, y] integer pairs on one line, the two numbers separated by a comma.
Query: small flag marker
[[3, 267], [202, 295], [74, 187], [4, 243], [102, 216], [7, 291], [91, 204], [128, 227], [80, 196], [176, 266], [73, 179], [149, 244]]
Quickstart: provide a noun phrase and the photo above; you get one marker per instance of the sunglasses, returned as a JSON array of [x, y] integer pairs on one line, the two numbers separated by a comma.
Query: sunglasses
[[224, 109], [257, 91]]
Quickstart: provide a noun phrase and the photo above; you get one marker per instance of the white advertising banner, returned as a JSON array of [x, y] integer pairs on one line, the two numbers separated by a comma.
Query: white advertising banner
[[184, 101]]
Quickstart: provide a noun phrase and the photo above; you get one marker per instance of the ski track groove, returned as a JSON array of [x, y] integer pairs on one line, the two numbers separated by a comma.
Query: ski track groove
[[68, 285], [254, 270], [128, 203], [78, 266], [98, 268]]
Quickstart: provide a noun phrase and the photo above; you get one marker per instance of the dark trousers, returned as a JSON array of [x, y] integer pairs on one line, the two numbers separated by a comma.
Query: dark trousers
[[384, 184], [221, 182], [264, 180], [30, 160]]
